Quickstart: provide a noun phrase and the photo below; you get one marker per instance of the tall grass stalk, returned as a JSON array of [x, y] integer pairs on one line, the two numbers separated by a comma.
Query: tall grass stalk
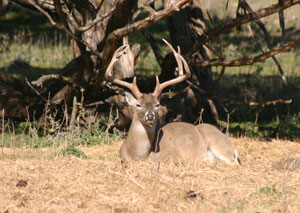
[[2, 133]]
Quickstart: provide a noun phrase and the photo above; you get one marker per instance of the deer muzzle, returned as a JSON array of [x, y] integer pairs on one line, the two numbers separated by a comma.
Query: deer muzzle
[[149, 116]]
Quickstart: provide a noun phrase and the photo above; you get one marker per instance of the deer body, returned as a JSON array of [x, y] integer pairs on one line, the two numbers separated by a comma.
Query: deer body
[[146, 139], [178, 140], [173, 140]]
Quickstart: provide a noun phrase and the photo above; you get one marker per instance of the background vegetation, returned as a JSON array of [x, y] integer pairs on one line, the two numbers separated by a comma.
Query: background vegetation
[[30, 47]]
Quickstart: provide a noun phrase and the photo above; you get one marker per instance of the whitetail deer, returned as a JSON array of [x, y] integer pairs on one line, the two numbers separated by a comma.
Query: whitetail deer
[[147, 139]]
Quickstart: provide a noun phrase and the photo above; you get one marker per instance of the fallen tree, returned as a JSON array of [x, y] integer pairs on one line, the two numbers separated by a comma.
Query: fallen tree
[[97, 29]]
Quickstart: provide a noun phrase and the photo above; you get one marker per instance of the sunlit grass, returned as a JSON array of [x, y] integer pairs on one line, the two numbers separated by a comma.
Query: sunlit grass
[[27, 134], [37, 55]]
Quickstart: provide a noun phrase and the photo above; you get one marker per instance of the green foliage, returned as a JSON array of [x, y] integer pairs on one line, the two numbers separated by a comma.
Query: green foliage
[[19, 18], [260, 82], [287, 128], [71, 150], [96, 136], [31, 50], [25, 134], [261, 86], [270, 190]]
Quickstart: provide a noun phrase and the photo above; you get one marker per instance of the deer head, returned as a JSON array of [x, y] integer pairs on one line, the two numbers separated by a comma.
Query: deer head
[[147, 105]]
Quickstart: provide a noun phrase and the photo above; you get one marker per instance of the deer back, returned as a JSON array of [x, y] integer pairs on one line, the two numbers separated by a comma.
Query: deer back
[[178, 140], [192, 143]]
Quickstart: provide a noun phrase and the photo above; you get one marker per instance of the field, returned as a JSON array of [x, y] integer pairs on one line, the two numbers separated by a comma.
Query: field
[[37, 180], [80, 171]]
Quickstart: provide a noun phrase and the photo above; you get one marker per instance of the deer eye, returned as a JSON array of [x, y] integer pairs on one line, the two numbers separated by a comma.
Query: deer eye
[[157, 105], [138, 105]]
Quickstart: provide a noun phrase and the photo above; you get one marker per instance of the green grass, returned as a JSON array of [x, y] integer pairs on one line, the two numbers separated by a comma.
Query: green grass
[[26, 134], [71, 150], [32, 59], [37, 54], [261, 83], [31, 50]]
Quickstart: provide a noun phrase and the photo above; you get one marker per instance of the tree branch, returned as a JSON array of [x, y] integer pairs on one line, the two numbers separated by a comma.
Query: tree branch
[[53, 23], [99, 18], [215, 87], [147, 22], [251, 103], [245, 61], [244, 4], [111, 44], [47, 5], [210, 34], [148, 35], [40, 81], [15, 83], [248, 103], [282, 23], [35, 90]]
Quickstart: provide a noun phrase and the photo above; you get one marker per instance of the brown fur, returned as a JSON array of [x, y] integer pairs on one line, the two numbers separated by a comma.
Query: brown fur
[[173, 140]]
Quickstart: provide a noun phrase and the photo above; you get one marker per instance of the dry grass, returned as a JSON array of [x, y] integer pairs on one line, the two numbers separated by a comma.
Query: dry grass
[[36, 180]]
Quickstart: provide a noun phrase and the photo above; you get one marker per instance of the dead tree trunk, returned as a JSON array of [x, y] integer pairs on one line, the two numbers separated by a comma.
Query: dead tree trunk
[[89, 24], [97, 28]]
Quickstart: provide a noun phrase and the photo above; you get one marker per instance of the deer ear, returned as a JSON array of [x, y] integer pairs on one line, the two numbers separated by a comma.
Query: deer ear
[[131, 100]]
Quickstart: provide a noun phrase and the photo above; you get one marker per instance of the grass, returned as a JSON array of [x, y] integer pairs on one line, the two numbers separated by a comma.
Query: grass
[[31, 50], [27, 135], [71, 150], [268, 181]]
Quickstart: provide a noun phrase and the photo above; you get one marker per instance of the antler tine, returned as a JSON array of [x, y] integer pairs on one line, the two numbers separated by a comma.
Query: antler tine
[[109, 77], [181, 62]]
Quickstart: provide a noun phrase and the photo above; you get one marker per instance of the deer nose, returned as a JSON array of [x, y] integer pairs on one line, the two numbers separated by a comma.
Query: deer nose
[[150, 116]]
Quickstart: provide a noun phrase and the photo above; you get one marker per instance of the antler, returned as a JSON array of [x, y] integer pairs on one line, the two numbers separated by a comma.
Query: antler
[[109, 77], [181, 76], [181, 62]]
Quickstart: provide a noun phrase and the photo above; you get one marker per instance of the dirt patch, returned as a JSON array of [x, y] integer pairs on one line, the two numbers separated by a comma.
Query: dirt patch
[[268, 181]]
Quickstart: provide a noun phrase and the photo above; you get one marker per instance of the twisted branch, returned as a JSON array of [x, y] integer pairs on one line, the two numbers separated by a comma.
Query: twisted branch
[[251, 103], [60, 27], [15, 83], [245, 61], [147, 22], [210, 34], [232, 102]]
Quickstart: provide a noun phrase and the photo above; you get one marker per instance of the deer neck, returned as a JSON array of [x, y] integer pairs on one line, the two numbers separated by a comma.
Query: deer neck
[[140, 138]]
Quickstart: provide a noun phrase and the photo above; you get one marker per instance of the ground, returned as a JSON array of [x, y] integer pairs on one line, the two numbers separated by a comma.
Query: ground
[[36, 180]]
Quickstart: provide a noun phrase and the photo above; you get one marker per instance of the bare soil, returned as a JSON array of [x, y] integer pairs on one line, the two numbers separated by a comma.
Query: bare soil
[[37, 180]]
